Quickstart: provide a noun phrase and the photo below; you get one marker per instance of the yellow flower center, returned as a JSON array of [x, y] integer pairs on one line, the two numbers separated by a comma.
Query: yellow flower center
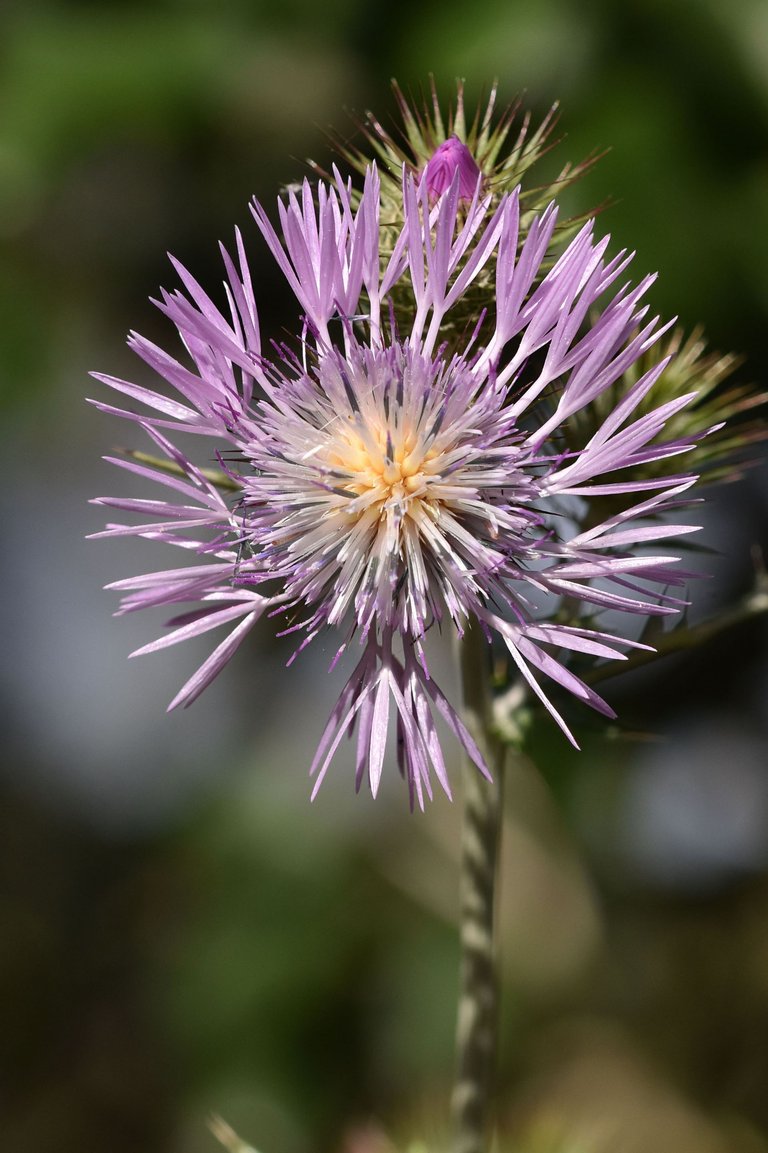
[[388, 466]]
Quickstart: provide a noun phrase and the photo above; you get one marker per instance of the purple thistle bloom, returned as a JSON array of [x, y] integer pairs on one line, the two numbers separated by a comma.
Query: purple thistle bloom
[[387, 483], [449, 157]]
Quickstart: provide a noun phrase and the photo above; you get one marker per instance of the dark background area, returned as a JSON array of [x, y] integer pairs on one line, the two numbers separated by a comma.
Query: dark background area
[[181, 932]]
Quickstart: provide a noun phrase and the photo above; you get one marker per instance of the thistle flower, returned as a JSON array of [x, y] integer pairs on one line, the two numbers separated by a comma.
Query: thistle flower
[[381, 482]]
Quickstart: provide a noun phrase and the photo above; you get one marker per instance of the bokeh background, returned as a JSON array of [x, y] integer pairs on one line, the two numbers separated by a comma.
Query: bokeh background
[[181, 933]]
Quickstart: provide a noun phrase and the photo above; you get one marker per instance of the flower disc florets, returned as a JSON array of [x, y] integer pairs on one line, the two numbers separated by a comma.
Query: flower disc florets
[[388, 494], [382, 482]]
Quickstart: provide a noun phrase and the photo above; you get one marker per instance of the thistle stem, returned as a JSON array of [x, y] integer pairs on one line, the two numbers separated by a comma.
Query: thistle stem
[[477, 1023]]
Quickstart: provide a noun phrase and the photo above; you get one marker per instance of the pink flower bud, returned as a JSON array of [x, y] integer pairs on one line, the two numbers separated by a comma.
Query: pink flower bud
[[451, 155]]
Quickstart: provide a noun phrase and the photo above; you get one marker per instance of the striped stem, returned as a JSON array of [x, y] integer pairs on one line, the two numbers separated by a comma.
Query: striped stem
[[477, 1024]]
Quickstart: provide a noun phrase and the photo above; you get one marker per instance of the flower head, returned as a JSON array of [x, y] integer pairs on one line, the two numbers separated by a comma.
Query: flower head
[[380, 482]]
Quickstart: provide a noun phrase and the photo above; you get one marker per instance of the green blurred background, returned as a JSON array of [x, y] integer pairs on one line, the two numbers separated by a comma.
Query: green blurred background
[[181, 933]]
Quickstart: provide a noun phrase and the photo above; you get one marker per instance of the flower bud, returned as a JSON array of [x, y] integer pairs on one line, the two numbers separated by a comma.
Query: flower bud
[[451, 155]]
